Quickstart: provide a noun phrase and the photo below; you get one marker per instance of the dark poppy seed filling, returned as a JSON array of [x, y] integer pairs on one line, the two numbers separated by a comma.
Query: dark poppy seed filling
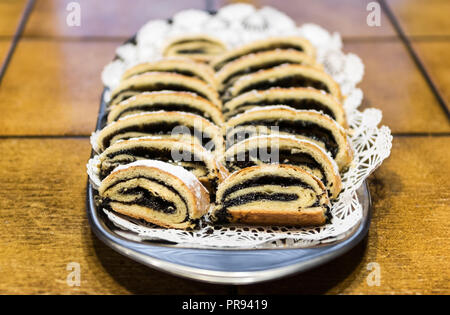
[[158, 129], [136, 153], [267, 180], [300, 127], [199, 40], [191, 51], [282, 156], [287, 81], [254, 51], [148, 200], [177, 71], [244, 162], [300, 104], [263, 66], [234, 136], [127, 93], [258, 196], [166, 107], [222, 216]]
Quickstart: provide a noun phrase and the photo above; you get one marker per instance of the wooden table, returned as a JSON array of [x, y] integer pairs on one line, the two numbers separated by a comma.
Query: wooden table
[[49, 97]]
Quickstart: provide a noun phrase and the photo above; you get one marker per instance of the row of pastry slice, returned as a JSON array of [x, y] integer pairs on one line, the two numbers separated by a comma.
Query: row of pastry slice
[[154, 99], [286, 141], [157, 153], [173, 98]]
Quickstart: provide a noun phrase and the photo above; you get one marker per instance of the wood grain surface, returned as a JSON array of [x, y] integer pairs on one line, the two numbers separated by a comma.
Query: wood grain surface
[[4, 46], [394, 84], [58, 83], [422, 18], [49, 97], [435, 56], [10, 13]]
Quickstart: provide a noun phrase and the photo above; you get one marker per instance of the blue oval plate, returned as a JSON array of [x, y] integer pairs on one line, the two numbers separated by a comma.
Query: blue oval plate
[[224, 266]]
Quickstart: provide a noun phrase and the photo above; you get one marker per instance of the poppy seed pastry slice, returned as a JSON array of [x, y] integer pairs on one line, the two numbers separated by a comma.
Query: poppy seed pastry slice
[[192, 157], [297, 98], [174, 125], [272, 43], [261, 61], [274, 194], [162, 81], [307, 124], [278, 149], [285, 76], [198, 47], [168, 101], [157, 192], [184, 66]]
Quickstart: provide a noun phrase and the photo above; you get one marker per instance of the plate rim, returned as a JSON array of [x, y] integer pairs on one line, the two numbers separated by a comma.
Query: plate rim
[[148, 255]]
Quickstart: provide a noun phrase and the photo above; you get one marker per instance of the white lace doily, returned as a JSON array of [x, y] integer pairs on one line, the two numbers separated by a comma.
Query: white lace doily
[[235, 25]]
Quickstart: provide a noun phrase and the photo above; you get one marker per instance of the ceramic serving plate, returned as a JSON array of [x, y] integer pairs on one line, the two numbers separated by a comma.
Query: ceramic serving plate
[[224, 266]]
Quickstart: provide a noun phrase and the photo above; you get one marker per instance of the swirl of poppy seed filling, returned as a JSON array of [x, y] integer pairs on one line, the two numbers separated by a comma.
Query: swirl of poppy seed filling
[[296, 127], [287, 81], [296, 103], [247, 198], [222, 215], [192, 51], [258, 50], [190, 161], [177, 71], [145, 198], [246, 159], [161, 128], [194, 47], [161, 86], [266, 180], [163, 106], [234, 76], [196, 40]]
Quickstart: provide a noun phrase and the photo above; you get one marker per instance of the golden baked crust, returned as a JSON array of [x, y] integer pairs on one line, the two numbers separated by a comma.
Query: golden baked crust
[[184, 66], [272, 43], [162, 81], [274, 194], [285, 150], [311, 125], [297, 98], [168, 101], [156, 192]]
